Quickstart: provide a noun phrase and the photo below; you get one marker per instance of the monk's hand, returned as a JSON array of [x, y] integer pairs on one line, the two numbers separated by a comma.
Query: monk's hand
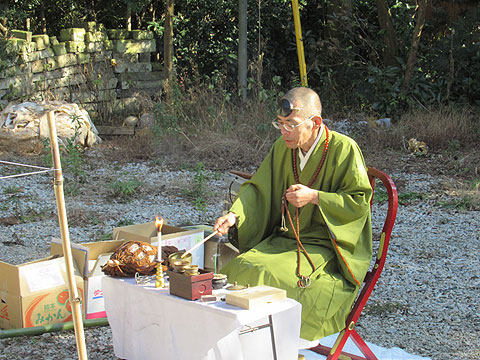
[[225, 222], [300, 195]]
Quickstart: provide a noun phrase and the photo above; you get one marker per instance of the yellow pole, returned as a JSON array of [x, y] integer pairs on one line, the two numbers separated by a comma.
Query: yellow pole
[[67, 252], [298, 35]]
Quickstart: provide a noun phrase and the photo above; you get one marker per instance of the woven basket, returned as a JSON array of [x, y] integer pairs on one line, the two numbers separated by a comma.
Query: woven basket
[[135, 257]]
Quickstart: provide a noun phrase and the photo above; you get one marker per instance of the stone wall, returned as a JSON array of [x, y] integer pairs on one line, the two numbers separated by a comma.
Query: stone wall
[[106, 71]]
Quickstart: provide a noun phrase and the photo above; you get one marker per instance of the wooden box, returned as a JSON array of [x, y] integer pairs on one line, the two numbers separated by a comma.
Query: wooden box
[[190, 287], [255, 296]]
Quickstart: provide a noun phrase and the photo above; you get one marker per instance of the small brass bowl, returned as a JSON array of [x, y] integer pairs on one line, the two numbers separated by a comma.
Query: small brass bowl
[[191, 270], [178, 256], [180, 265]]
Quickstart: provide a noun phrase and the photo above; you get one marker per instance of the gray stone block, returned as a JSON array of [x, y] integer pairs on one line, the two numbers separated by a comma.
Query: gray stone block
[[126, 58], [144, 57], [142, 35], [59, 49], [134, 47], [140, 76], [20, 46], [92, 26], [20, 34], [72, 34], [54, 40], [115, 34], [101, 56], [42, 41], [83, 58], [96, 36], [141, 84], [133, 67], [75, 46]]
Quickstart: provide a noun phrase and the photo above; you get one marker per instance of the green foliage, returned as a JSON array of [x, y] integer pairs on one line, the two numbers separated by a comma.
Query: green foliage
[[11, 190], [23, 213], [125, 222], [125, 190], [198, 193], [74, 161], [385, 308], [71, 159], [466, 202], [344, 49], [380, 196], [409, 197], [7, 56], [103, 236]]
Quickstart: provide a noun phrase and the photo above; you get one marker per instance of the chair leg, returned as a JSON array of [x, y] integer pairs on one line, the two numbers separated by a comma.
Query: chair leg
[[362, 346], [337, 352]]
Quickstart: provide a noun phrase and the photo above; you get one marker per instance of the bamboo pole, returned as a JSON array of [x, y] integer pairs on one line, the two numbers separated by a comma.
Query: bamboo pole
[[37, 330], [298, 35], [67, 252]]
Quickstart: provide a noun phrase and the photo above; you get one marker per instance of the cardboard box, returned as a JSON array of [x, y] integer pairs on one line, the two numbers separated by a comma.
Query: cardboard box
[[171, 235], [36, 293], [89, 258]]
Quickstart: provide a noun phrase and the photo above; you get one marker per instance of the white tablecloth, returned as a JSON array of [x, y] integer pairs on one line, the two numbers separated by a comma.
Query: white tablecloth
[[149, 323]]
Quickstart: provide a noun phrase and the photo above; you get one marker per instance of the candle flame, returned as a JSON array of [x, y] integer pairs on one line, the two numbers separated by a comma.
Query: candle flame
[[158, 223]]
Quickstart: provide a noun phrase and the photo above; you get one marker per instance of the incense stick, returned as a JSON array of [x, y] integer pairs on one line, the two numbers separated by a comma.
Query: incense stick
[[200, 243]]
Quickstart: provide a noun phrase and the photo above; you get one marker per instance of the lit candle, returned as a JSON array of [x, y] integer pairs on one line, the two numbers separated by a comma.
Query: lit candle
[[158, 225]]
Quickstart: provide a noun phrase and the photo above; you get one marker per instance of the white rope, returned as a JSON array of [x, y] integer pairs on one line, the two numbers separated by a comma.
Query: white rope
[[25, 174], [26, 165], [43, 169]]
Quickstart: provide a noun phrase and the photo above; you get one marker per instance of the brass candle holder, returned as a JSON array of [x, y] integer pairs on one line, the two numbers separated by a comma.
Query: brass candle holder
[[159, 279]]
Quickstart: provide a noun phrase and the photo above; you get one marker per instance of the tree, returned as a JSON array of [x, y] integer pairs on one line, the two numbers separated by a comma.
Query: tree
[[168, 49], [417, 33], [388, 32]]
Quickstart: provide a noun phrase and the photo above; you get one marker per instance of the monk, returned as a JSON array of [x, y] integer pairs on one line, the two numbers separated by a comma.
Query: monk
[[304, 217]]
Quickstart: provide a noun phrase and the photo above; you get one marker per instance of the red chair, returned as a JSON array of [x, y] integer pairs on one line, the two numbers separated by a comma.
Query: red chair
[[371, 278]]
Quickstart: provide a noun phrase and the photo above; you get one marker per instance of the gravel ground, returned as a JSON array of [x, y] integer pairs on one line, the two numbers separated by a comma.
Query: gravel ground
[[426, 301]]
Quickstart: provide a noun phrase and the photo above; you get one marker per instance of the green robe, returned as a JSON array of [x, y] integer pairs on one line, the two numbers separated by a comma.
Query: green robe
[[336, 233]]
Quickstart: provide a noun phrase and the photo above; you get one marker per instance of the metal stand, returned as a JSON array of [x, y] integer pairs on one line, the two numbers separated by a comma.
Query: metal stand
[[272, 335]]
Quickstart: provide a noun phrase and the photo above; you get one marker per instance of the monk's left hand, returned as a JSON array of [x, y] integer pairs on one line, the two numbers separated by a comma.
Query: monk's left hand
[[300, 195]]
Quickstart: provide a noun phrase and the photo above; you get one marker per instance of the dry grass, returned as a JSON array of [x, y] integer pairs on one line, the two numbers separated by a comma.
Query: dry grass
[[442, 128], [204, 125]]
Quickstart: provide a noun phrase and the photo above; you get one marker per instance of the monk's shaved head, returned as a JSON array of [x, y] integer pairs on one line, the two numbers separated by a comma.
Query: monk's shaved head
[[306, 99]]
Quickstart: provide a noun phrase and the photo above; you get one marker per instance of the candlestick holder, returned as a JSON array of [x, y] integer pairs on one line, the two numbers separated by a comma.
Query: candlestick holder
[[159, 279]]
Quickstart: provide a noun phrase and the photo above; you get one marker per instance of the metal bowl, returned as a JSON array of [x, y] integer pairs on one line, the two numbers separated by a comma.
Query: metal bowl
[[219, 281], [178, 256], [180, 265], [191, 270]]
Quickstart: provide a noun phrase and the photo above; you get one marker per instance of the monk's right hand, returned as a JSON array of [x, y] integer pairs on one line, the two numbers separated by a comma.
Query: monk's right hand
[[225, 222]]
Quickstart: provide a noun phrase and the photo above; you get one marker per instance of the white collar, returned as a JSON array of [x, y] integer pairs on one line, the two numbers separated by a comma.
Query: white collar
[[304, 158]]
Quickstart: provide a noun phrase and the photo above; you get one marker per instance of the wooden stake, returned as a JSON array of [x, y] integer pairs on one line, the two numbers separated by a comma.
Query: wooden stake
[[75, 300]]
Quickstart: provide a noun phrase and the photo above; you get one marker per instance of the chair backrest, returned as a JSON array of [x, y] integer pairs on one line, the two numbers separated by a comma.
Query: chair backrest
[[381, 254]]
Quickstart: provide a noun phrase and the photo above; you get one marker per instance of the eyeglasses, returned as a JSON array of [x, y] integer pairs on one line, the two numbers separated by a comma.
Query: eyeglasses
[[286, 108], [289, 127]]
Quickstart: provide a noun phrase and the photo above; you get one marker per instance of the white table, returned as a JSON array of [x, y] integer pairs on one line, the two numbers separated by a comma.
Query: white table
[[149, 323]]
